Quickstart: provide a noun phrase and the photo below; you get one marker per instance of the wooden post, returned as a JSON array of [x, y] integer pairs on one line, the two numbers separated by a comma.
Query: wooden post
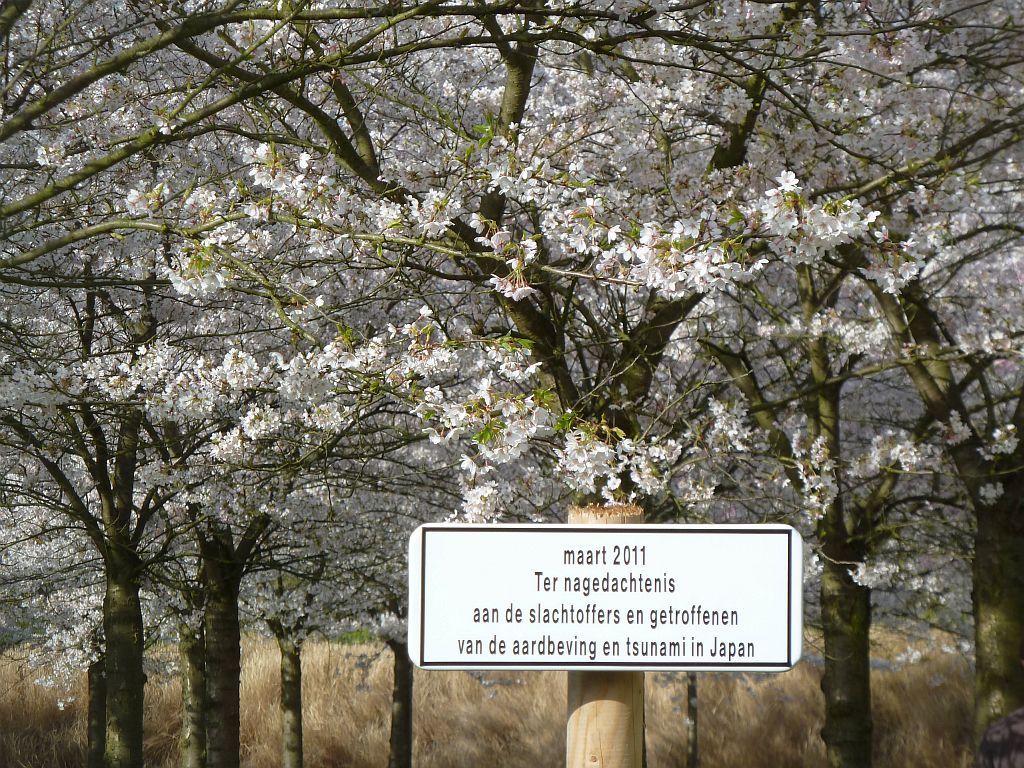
[[606, 709]]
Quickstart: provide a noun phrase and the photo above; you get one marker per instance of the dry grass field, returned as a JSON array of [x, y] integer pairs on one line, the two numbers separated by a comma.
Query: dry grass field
[[508, 720]]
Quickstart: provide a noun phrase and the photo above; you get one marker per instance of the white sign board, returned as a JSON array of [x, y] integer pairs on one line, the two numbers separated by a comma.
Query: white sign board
[[625, 597]]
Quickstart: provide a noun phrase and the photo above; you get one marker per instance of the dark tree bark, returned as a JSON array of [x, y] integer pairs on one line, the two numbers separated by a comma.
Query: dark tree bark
[[401, 707], [692, 712], [843, 532], [223, 566], [123, 629], [223, 670], [999, 608], [195, 712], [291, 701], [846, 621], [97, 718]]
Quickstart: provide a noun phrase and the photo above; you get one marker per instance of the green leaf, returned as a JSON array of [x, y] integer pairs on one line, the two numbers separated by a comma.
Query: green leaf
[[565, 422]]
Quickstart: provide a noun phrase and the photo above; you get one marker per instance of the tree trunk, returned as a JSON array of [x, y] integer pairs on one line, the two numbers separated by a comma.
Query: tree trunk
[[194, 710], [998, 609], [97, 723], [291, 702], [842, 534], [692, 746], [998, 570], [123, 630], [401, 707], [846, 621], [223, 674]]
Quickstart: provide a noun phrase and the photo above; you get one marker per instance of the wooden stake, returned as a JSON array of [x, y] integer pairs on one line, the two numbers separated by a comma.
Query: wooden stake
[[606, 709]]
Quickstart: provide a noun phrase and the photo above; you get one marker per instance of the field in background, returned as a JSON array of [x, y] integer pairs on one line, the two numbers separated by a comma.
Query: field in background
[[513, 720]]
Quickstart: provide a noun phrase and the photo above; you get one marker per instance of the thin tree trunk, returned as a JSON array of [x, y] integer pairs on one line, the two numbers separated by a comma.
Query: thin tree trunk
[[998, 569], [97, 723], [194, 710], [692, 750], [842, 533], [223, 674], [846, 621], [123, 630], [401, 707], [291, 701], [998, 609]]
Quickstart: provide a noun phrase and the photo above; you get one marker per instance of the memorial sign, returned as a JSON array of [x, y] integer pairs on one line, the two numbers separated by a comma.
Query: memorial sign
[[614, 597]]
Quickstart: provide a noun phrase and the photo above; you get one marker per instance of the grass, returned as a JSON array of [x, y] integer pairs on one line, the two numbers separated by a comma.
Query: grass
[[922, 715]]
